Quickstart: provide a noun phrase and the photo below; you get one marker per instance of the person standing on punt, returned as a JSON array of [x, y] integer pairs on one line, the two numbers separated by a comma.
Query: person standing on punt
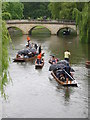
[[67, 55], [28, 40]]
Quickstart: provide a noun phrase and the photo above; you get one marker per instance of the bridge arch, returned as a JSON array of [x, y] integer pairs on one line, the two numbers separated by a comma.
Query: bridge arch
[[38, 27], [65, 27], [15, 27]]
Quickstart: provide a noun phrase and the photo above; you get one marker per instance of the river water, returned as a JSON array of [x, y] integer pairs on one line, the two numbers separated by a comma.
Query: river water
[[33, 94]]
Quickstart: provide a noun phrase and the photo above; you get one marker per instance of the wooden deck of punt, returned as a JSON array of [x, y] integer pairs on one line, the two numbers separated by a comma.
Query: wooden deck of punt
[[73, 84], [39, 66], [23, 59]]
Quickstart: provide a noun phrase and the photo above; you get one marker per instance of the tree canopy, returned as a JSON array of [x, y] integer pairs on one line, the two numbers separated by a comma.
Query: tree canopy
[[11, 10], [35, 10], [61, 10]]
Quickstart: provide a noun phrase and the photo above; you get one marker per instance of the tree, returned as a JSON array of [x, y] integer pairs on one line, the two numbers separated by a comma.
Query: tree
[[6, 16], [4, 58], [55, 8], [36, 10], [62, 10], [14, 10], [82, 20]]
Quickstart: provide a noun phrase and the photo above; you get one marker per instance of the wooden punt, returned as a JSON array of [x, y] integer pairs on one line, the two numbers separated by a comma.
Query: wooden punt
[[39, 66], [23, 59], [74, 83], [87, 64]]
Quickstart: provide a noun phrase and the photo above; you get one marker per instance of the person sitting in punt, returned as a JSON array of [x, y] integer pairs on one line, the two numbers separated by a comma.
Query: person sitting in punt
[[17, 55], [53, 60], [60, 75], [39, 59], [22, 56], [30, 54], [56, 60]]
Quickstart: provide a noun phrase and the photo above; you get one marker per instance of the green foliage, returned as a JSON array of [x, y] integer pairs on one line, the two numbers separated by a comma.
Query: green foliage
[[82, 20], [6, 16], [5, 5], [36, 10], [41, 18], [55, 8], [62, 10], [15, 10], [5, 59]]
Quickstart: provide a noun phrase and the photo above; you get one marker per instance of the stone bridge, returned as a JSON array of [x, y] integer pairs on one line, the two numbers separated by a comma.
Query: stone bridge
[[53, 26]]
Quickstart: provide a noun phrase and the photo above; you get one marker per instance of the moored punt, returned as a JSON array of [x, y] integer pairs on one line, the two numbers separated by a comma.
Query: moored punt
[[39, 66], [23, 59], [87, 64], [73, 83]]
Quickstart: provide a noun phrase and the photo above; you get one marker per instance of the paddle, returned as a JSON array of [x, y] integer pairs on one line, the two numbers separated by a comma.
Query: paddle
[[69, 75]]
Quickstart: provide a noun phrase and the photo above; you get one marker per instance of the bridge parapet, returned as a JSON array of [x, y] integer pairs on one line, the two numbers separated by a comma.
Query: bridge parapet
[[41, 22]]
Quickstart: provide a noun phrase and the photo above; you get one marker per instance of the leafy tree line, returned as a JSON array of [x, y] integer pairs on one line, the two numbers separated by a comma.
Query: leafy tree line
[[64, 10], [33, 10]]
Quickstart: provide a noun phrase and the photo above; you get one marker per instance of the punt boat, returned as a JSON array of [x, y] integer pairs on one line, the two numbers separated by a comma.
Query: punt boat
[[39, 66], [73, 83], [24, 59]]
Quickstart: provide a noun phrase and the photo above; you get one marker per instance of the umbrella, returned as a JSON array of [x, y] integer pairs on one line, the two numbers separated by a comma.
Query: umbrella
[[56, 66], [63, 62], [72, 70], [26, 51]]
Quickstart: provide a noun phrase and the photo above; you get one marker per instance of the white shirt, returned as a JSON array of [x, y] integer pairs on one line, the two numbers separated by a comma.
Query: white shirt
[[66, 54]]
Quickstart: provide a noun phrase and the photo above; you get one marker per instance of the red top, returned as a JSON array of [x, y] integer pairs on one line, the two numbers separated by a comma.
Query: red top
[[39, 56], [28, 38]]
